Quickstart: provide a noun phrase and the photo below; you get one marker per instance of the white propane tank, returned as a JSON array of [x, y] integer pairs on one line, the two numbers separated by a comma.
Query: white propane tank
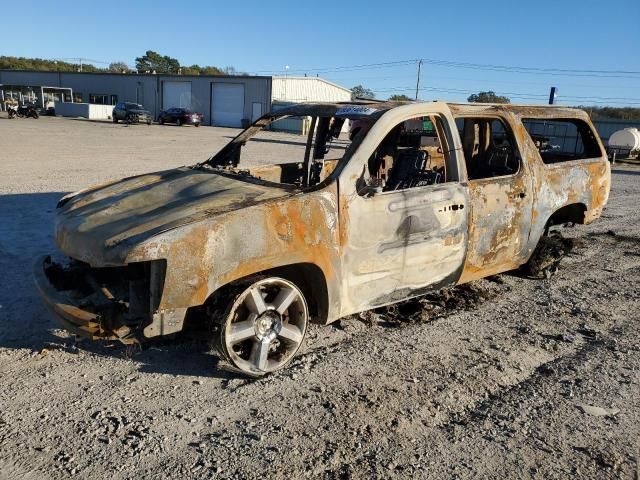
[[628, 139]]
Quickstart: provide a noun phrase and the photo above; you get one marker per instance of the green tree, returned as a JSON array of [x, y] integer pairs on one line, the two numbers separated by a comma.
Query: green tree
[[619, 113], [400, 98], [154, 62], [149, 62], [487, 97], [43, 65], [192, 70], [210, 71], [361, 92], [118, 67]]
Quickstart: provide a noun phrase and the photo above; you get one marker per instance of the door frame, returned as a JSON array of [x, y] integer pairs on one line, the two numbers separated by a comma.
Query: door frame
[[361, 250]]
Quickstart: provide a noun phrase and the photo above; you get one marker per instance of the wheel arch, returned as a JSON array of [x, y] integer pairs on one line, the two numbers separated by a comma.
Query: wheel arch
[[571, 213], [308, 277]]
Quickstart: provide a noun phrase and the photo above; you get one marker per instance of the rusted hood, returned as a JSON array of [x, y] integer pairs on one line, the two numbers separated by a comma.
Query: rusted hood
[[94, 223]]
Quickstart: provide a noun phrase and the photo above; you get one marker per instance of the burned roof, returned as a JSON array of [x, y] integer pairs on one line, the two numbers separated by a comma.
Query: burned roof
[[375, 109]]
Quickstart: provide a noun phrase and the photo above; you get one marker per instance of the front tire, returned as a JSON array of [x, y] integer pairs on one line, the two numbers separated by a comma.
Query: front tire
[[115, 119], [196, 124], [263, 328], [179, 122]]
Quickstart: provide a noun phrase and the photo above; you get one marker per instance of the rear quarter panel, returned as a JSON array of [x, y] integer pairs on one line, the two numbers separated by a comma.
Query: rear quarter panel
[[584, 182]]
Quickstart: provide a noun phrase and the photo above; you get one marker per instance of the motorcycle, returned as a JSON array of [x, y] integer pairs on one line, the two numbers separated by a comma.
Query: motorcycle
[[27, 110]]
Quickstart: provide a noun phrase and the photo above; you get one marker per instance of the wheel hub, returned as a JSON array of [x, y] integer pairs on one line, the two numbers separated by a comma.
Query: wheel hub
[[268, 324]]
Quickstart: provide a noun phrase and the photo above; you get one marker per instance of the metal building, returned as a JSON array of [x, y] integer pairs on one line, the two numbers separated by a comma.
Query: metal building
[[307, 89], [289, 90], [224, 100], [229, 101]]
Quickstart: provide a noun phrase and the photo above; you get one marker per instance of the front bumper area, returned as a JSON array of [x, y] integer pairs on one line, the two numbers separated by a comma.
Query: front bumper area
[[71, 317], [191, 120], [86, 305], [138, 118]]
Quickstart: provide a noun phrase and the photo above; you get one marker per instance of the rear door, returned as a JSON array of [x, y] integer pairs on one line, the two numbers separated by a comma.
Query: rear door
[[500, 195]]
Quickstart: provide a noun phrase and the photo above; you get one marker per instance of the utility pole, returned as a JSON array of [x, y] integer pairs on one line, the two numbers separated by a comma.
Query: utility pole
[[418, 79], [80, 64], [286, 71]]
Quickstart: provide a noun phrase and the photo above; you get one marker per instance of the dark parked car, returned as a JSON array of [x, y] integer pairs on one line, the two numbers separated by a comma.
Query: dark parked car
[[180, 116], [131, 113]]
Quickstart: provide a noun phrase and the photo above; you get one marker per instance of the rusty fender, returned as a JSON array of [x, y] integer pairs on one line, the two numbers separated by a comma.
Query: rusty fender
[[207, 255]]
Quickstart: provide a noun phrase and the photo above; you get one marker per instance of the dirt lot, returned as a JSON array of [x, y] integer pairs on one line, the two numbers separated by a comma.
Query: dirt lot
[[494, 380]]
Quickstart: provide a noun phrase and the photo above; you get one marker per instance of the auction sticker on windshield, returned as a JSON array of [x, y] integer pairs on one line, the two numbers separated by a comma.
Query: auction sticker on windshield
[[355, 110]]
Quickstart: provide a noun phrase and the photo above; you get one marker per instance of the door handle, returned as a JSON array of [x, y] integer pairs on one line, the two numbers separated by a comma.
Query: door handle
[[453, 207]]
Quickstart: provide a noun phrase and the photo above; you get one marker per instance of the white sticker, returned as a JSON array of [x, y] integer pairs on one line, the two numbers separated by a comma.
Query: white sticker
[[355, 110]]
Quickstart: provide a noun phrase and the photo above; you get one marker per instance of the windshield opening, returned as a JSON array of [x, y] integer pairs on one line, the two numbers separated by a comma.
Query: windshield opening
[[301, 150]]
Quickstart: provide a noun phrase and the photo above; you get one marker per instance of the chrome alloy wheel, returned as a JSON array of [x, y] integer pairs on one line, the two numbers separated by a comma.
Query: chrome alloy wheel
[[265, 326]]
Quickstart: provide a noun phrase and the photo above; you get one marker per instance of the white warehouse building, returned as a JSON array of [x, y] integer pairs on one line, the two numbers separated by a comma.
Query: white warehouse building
[[288, 90], [307, 89]]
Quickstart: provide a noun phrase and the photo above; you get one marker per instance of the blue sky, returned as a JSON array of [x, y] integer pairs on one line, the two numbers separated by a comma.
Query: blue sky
[[316, 37]]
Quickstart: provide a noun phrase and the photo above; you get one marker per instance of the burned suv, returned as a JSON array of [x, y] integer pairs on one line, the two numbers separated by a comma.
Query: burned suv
[[427, 195]]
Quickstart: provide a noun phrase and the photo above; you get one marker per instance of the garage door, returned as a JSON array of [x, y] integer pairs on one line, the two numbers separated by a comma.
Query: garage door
[[227, 104], [176, 94]]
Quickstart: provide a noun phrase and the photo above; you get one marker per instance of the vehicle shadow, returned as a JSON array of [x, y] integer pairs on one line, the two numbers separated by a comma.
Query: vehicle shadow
[[121, 123], [26, 232]]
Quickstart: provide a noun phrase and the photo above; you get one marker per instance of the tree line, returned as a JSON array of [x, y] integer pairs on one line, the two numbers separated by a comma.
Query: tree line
[[150, 62]]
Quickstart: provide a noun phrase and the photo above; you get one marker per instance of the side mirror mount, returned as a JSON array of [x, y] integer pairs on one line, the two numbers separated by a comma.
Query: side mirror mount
[[373, 187]]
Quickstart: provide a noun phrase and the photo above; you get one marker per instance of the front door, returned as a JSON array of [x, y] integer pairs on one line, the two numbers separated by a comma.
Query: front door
[[404, 217], [500, 196]]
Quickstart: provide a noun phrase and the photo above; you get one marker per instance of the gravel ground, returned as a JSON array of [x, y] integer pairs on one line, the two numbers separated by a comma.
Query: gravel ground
[[505, 378]]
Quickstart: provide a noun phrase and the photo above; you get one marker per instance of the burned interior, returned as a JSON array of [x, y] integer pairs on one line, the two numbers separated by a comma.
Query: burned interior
[[317, 155]]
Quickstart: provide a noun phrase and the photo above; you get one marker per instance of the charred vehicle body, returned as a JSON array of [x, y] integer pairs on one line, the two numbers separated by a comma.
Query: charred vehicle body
[[427, 195]]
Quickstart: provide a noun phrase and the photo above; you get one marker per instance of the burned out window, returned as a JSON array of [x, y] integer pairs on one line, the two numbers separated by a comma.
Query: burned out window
[[490, 149], [413, 154], [301, 153], [561, 140]]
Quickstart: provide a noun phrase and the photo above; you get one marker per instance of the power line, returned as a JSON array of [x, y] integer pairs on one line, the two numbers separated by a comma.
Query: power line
[[541, 95], [474, 66], [535, 70], [527, 96]]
